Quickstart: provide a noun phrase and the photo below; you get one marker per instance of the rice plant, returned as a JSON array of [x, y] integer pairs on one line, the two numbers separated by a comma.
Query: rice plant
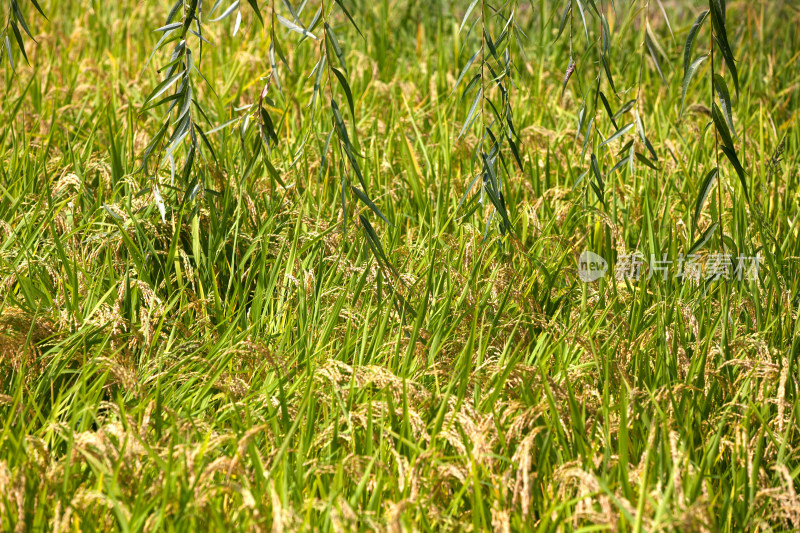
[[394, 265]]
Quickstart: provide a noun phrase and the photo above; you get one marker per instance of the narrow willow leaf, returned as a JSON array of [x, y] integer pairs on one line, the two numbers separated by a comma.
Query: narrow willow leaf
[[256, 10], [314, 21], [515, 151], [687, 49], [581, 118], [267, 127], [295, 28], [174, 10], [215, 7], [154, 143], [348, 93], [274, 65], [721, 38], [471, 113], [705, 188], [238, 23], [223, 125], [666, 19], [345, 138], [687, 78], [646, 162], [627, 106], [466, 15], [473, 83], [654, 56], [38, 8], [18, 38], [703, 239], [464, 70], [643, 136], [281, 55], [318, 69], [721, 126], [626, 147], [724, 101], [349, 17], [564, 18], [727, 55], [579, 180], [608, 74], [598, 175], [730, 153], [227, 12], [335, 43], [598, 192], [364, 198], [618, 166], [162, 87], [492, 49], [620, 132], [583, 18], [375, 243], [21, 19], [159, 201], [608, 110], [167, 37], [631, 159], [169, 27], [499, 204]]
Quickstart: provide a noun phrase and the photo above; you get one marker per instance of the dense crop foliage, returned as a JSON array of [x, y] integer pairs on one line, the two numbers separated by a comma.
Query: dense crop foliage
[[281, 264]]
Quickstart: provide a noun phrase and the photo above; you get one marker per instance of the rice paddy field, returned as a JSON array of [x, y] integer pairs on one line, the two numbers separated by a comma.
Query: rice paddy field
[[375, 265]]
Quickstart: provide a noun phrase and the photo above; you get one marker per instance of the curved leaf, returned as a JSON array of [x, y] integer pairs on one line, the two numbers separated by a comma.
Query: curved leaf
[[708, 182], [231, 8], [466, 15], [687, 50], [256, 10], [724, 101], [703, 239], [687, 77], [730, 153], [347, 92], [722, 128], [721, 38], [620, 132]]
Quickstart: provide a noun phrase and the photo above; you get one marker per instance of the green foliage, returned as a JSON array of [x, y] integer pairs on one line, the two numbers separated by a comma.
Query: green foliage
[[11, 36], [194, 337]]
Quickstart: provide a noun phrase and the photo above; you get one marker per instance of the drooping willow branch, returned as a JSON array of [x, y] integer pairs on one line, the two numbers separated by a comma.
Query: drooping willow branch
[[491, 107], [631, 108], [181, 103], [11, 34], [330, 79], [182, 108], [721, 115]]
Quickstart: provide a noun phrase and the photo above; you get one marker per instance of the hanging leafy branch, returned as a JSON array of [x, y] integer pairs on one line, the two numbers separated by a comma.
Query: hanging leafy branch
[[329, 73], [12, 35], [633, 107], [180, 122], [491, 107], [346, 150], [721, 115]]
